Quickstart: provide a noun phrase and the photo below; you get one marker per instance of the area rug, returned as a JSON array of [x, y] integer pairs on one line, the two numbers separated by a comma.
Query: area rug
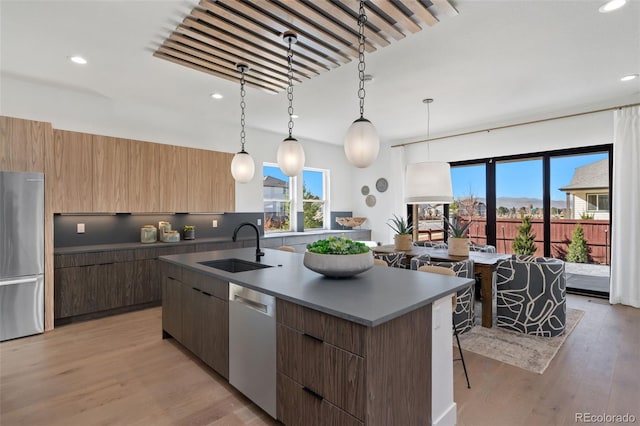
[[531, 353]]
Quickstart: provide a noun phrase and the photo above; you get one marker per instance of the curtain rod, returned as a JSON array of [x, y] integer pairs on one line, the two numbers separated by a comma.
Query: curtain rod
[[517, 125]]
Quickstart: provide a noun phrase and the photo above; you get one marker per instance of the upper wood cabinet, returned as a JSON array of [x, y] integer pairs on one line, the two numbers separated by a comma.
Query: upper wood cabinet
[[72, 172], [211, 185], [172, 168], [144, 182], [110, 174], [22, 144]]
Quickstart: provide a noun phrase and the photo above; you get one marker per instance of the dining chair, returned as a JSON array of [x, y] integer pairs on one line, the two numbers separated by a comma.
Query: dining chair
[[396, 260], [379, 262], [431, 244], [287, 248], [531, 295], [454, 302], [464, 314]]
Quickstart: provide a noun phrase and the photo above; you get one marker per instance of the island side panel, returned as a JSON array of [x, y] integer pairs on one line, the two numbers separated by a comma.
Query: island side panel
[[399, 370]]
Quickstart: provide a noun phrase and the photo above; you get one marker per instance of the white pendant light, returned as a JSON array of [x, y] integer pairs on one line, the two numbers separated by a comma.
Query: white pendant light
[[290, 152], [361, 144], [428, 182], [242, 165]]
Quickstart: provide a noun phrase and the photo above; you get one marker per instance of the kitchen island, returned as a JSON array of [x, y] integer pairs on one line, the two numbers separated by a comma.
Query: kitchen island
[[375, 349]]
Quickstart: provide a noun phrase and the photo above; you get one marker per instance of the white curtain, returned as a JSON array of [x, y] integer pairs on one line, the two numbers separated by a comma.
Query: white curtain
[[625, 237]]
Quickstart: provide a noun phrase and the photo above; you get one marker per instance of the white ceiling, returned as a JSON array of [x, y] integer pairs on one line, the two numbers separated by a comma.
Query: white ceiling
[[497, 62]]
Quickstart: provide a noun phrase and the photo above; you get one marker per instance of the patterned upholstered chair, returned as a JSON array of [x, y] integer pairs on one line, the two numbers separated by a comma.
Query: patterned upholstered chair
[[397, 260], [482, 248], [531, 295], [431, 244], [464, 315]]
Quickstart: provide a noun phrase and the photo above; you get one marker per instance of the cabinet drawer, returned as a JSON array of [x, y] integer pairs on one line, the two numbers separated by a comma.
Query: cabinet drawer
[[336, 331], [206, 284], [297, 405], [170, 270], [333, 373]]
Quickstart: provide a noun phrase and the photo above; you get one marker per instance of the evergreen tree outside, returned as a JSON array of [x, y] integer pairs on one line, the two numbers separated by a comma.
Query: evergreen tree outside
[[578, 250], [524, 242], [313, 215]]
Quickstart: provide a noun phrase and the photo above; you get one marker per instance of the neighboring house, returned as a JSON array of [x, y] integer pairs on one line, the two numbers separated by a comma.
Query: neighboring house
[[275, 195], [588, 191]]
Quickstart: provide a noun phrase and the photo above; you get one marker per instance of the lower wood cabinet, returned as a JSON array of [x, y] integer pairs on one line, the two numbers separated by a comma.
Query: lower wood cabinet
[[331, 371], [195, 311], [298, 405]]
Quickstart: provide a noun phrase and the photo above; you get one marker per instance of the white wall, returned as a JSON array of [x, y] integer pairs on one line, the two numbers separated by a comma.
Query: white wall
[[85, 111]]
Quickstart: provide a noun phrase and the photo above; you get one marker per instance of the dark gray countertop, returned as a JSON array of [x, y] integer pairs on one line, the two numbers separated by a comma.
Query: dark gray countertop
[[370, 298], [138, 245]]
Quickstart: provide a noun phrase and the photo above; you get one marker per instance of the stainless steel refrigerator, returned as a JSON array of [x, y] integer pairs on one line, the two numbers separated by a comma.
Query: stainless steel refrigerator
[[21, 254]]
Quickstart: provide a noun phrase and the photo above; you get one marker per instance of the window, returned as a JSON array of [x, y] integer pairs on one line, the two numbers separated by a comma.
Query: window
[[282, 200], [598, 202], [276, 187], [313, 198]]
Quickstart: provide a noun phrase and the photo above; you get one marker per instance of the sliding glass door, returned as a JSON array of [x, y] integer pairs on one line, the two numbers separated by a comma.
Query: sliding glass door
[[564, 196]]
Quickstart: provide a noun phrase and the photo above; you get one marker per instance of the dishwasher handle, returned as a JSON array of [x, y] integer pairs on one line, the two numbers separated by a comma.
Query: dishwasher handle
[[257, 306]]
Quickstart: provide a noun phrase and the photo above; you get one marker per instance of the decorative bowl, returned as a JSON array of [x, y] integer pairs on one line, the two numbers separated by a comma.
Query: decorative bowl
[[351, 222], [338, 265]]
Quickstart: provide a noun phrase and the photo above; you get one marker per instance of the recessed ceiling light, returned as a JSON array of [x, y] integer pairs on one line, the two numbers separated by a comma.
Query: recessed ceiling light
[[629, 77], [216, 96], [78, 60], [612, 5], [295, 116]]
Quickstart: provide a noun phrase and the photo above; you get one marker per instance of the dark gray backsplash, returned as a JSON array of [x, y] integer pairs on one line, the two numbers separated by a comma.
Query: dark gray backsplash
[[125, 228]]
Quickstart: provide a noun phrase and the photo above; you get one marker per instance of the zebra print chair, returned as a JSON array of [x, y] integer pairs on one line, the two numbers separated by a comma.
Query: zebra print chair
[[531, 295], [481, 248], [431, 244], [397, 260], [464, 315]]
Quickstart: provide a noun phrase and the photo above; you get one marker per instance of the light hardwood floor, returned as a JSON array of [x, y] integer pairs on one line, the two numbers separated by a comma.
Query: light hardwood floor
[[118, 371]]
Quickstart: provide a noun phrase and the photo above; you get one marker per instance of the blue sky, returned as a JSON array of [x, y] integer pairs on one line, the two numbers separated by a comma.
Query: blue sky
[[312, 179], [520, 178]]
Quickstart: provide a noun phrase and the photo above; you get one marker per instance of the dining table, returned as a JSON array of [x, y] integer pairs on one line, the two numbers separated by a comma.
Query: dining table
[[485, 265]]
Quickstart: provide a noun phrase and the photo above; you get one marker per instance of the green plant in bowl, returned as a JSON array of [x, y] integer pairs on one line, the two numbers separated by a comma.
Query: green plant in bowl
[[338, 257], [337, 245]]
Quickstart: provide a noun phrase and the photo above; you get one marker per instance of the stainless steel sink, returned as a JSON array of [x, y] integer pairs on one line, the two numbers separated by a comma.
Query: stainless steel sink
[[234, 265]]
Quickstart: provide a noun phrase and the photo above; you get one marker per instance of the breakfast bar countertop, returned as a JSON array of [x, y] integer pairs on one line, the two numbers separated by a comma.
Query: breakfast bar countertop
[[370, 298]]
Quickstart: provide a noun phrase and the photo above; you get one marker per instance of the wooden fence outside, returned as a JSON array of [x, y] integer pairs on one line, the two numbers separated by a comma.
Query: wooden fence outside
[[596, 233]]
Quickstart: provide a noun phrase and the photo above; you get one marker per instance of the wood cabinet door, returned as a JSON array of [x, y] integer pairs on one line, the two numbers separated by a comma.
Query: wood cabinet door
[[75, 291], [23, 142], [213, 330], [172, 293], [145, 283], [113, 285], [72, 172], [144, 182], [200, 188], [172, 168], [224, 186], [190, 318], [110, 174]]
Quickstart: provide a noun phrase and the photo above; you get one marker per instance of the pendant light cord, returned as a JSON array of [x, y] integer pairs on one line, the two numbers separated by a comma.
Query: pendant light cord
[[242, 107], [362, 19], [290, 86]]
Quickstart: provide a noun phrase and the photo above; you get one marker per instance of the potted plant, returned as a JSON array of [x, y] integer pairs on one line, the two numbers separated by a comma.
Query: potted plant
[[458, 242], [403, 237], [189, 232], [338, 257]]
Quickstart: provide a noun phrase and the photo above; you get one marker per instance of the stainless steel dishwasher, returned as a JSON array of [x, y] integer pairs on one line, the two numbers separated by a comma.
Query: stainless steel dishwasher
[[252, 345]]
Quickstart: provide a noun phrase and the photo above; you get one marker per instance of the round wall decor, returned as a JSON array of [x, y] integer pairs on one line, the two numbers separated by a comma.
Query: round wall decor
[[364, 190], [370, 200], [382, 184]]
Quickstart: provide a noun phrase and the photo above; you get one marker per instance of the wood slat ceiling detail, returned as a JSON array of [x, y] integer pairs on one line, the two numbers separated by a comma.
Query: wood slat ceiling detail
[[218, 34]]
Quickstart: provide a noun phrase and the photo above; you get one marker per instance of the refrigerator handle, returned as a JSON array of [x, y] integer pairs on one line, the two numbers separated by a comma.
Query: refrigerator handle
[[17, 281]]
